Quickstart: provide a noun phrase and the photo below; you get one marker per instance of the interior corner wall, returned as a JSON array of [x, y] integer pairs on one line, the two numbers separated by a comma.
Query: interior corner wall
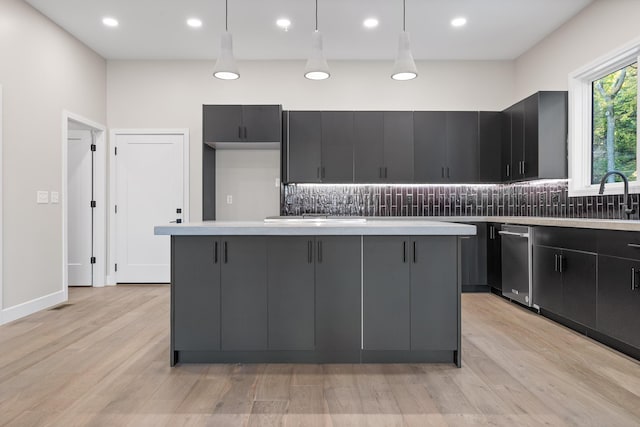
[[599, 28], [170, 94], [44, 70]]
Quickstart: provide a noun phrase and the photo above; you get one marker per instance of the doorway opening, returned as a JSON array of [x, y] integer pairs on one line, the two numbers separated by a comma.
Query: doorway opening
[[84, 204]]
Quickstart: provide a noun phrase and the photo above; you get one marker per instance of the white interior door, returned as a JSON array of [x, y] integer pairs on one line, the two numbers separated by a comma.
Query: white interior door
[[80, 227], [150, 190]]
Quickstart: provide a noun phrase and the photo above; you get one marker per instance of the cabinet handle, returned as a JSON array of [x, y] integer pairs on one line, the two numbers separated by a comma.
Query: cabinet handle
[[240, 132], [442, 174], [560, 262], [555, 267], [524, 167], [226, 255], [385, 172], [245, 132], [309, 252], [404, 252], [318, 172], [380, 172], [322, 174], [415, 257], [215, 252], [319, 251], [448, 176], [508, 171], [633, 279], [633, 245]]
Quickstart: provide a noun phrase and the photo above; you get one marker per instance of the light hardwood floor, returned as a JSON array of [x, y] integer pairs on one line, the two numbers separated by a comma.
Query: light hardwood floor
[[104, 360]]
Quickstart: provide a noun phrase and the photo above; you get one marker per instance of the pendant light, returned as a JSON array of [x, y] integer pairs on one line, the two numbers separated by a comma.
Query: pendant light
[[404, 67], [226, 67], [317, 67]]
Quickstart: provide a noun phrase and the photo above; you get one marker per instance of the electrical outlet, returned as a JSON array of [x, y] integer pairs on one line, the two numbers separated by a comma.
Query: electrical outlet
[[229, 199], [42, 197], [55, 197], [277, 182]]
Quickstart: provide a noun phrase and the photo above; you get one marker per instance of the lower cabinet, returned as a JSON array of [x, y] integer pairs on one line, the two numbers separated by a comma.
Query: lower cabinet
[[494, 256], [619, 298], [564, 283], [410, 293]]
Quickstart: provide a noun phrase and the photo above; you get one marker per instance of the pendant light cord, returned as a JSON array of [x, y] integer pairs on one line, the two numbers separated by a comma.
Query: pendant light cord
[[226, 15], [316, 15], [404, 15]]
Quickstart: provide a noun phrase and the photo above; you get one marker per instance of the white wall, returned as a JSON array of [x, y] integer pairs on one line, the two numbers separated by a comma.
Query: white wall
[[598, 29], [43, 70], [170, 94]]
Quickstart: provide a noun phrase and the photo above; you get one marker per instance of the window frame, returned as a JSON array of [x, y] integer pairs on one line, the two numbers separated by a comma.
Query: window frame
[[581, 125]]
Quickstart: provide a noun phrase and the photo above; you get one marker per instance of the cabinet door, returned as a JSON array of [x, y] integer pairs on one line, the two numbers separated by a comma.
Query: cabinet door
[[619, 305], [494, 256], [291, 293], [579, 287], [474, 257], [430, 146], [196, 293], [434, 293], [304, 146], [244, 293], [222, 123], [262, 123], [506, 161], [369, 146], [531, 137], [490, 146], [337, 146], [398, 146], [547, 279], [462, 146], [517, 140], [338, 305], [386, 293]]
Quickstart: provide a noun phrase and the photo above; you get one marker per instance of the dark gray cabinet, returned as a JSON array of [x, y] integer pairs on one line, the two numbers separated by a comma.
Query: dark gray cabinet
[[244, 293], [473, 261], [291, 293], [369, 146], [338, 304], [408, 282], [547, 279], [304, 146], [398, 146], [494, 256], [446, 146], [196, 293], [242, 123], [490, 147], [535, 137], [337, 146], [619, 298]]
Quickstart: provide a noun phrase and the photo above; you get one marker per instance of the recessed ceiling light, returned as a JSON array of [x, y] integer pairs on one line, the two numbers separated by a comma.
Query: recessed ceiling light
[[459, 22], [110, 22], [283, 23], [370, 22], [194, 22]]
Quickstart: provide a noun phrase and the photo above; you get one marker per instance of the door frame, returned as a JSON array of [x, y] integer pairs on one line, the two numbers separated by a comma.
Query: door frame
[[100, 186], [112, 275]]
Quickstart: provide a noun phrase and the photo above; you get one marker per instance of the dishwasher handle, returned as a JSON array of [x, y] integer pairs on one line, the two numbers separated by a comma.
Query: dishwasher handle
[[511, 233]]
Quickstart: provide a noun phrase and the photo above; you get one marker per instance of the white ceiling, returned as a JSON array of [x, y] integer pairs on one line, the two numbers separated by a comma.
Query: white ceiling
[[156, 29]]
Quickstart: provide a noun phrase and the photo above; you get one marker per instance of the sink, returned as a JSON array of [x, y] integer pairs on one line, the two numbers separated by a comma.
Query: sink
[[314, 220]]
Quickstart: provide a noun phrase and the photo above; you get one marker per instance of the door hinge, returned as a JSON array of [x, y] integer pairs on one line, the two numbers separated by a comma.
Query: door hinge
[[93, 147], [116, 267], [93, 203], [93, 260], [116, 151], [116, 208]]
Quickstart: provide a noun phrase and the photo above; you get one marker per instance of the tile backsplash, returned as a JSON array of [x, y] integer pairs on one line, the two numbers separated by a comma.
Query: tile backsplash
[[541, 199]]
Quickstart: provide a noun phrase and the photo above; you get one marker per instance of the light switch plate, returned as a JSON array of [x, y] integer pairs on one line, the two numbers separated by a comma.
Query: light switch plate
[[229, 199], [55, 197], [42, 197]]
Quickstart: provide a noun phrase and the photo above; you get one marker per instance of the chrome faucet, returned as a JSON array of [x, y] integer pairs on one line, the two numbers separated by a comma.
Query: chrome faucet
[[626, 201]]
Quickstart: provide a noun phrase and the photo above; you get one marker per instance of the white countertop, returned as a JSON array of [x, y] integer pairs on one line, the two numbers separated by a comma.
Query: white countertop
[[374, 227]]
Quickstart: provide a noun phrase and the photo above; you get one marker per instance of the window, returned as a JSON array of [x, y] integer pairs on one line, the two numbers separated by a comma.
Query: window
[[603, 123]]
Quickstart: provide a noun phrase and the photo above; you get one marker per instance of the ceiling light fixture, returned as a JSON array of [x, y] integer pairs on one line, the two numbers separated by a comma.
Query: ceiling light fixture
[[404, 67], [226, 67], [194, 22], [317, 67], [460, 21], [283, 23], [370, 23], [110, 22]]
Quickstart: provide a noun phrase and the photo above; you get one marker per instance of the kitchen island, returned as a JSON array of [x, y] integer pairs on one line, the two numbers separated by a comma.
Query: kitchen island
[[315, 291]]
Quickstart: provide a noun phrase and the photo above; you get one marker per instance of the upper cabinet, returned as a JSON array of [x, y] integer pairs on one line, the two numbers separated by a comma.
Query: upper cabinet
[[535, 138], [242, 123], [446, 146], [490, 146]]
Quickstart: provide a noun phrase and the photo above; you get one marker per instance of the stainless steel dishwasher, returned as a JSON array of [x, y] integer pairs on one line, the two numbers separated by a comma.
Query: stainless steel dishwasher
[[516, 263]]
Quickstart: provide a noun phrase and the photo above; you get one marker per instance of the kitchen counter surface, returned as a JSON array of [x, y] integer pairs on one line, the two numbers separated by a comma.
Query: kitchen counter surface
[[374, 227]]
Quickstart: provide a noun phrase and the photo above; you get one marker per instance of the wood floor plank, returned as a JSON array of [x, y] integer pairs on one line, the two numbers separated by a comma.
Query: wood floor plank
[[102, 360]]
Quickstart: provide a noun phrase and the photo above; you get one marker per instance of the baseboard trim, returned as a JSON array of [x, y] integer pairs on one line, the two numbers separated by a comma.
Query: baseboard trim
[[26, 308]]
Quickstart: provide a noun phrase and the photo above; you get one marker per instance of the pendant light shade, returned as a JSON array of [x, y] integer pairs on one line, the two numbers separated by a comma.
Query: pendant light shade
[[404, 67], [226, 67], [317, 67]]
